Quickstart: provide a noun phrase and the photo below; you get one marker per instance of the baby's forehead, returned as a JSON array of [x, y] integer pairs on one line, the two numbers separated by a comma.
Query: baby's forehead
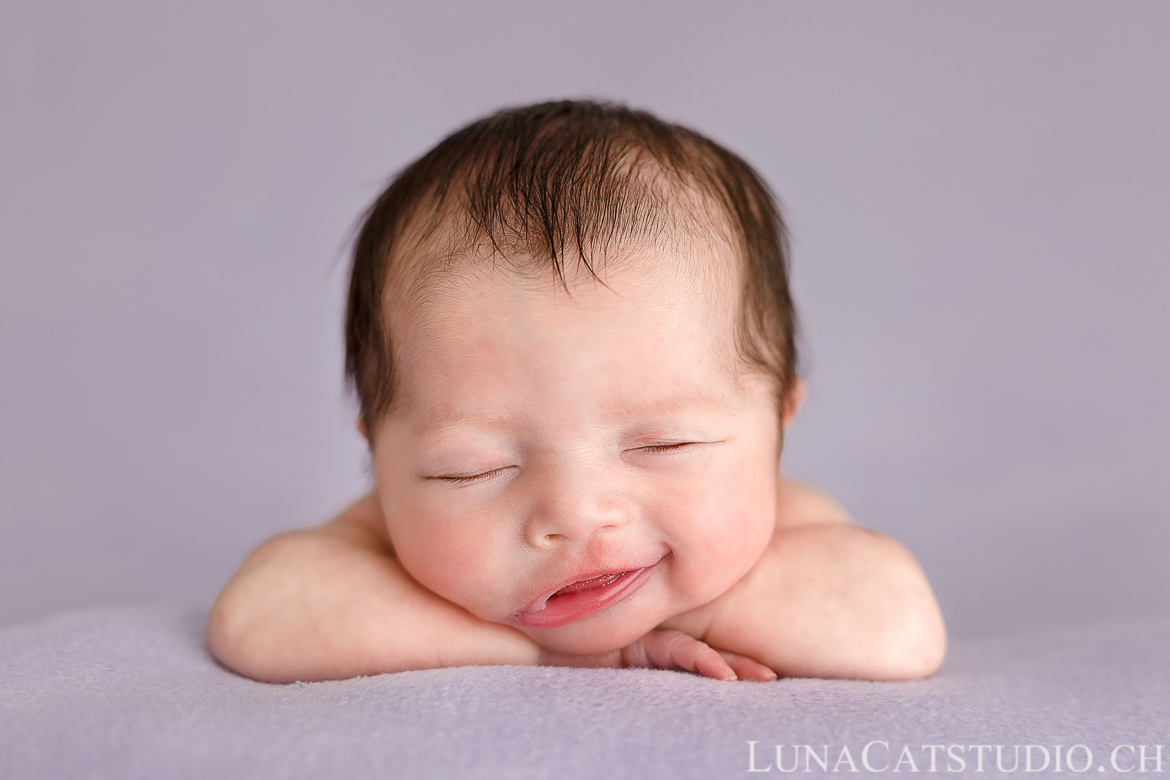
[[686, 249], [690, 288], [665, 300], [638, 342]]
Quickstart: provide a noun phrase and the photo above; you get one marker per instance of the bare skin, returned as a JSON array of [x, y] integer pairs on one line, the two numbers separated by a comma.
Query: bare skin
[[601, 439], [827, 599]]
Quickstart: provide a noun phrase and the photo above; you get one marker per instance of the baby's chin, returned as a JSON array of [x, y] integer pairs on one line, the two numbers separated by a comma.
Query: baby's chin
[[581, 640]]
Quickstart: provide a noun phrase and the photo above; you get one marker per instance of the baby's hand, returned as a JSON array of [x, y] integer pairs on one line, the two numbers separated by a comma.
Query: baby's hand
[[670, 649]]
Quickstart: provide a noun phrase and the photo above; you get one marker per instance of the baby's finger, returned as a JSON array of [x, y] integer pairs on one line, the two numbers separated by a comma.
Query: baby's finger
[[676, 650], [747, 668], [709, 663]]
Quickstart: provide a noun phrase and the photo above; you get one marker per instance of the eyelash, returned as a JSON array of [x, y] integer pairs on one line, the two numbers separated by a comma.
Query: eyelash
[[471, 477], [652, 448], [666, 447]]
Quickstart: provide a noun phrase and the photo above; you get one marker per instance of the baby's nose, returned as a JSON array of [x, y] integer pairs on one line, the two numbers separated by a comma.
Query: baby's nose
[[574, 505]]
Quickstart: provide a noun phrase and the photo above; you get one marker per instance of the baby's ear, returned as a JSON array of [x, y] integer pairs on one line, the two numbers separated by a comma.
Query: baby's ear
[[361, 426], [793, 400]]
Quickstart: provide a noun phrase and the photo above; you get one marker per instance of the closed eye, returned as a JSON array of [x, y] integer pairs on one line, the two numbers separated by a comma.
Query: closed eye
[[464, 479], [673, 447]]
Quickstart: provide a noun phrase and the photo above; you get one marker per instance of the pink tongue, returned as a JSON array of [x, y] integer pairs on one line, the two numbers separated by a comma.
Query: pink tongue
[[596, 582]]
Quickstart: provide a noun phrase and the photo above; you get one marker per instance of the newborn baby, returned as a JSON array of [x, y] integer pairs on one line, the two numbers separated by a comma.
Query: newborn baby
[[572, 338]]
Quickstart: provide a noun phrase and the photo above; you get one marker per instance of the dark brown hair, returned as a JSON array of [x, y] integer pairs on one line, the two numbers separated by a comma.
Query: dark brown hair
[[564, 178]]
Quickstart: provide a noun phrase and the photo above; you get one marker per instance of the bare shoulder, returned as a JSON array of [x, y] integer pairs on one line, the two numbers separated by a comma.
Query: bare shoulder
[[361, 522], [798, 504], [357, 528]]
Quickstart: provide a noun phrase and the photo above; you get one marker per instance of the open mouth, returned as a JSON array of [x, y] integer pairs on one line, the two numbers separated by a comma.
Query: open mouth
[[582, 598]]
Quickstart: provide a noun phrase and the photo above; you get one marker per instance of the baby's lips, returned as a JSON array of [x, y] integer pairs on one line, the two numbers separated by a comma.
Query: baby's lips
[[594, 582], [577, 584], [581, 598]]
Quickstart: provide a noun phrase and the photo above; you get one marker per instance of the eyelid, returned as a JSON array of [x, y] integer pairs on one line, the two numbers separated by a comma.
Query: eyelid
[[667, 446], [464, 479]]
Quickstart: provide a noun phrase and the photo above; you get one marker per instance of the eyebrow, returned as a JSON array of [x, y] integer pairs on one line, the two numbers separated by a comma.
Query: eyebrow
[[683, 403], [428, 422]]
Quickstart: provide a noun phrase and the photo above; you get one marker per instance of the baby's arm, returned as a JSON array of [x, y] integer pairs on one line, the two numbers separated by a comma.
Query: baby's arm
[[332, 602], [827, 599]]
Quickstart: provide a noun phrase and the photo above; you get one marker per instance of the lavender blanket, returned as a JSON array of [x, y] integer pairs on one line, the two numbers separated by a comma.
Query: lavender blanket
[[133, 693]]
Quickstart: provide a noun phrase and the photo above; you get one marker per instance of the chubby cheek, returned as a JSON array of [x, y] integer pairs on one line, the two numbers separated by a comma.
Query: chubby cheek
[[451, 554], [717, 535]]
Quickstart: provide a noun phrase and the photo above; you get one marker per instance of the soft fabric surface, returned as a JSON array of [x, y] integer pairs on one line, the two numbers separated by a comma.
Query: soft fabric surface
[[133, 692]]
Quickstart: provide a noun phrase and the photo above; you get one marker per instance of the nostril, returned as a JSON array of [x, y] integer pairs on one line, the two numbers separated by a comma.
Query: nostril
[[573, 521]]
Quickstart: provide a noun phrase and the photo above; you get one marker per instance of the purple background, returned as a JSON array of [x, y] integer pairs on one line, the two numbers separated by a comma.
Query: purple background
[[978, 193]]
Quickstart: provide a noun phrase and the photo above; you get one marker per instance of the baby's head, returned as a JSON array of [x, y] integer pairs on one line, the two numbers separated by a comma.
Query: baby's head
[[572, 338]]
